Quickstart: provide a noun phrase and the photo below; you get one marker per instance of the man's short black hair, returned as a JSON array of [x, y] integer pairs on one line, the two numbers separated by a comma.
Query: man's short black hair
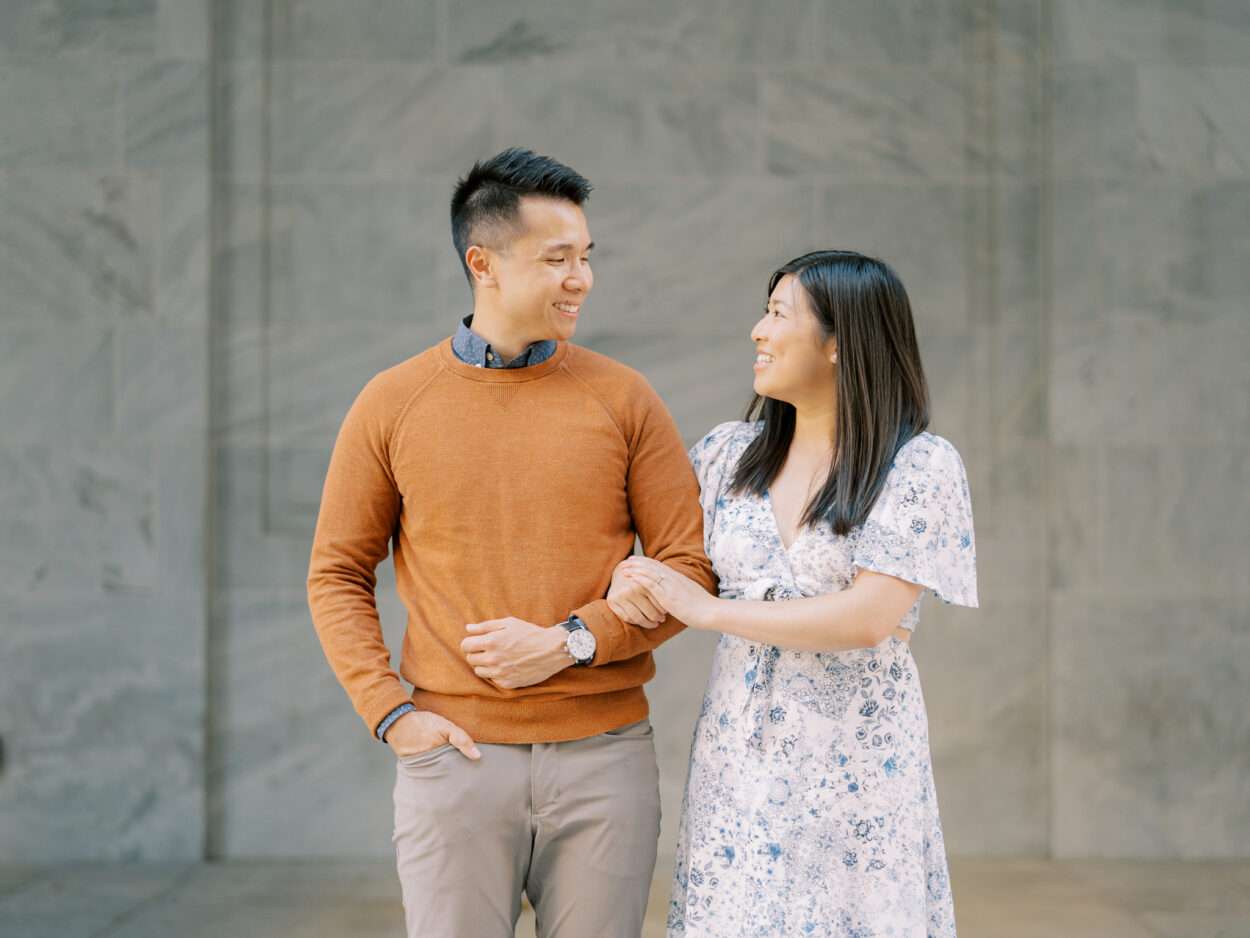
[[490, 195]]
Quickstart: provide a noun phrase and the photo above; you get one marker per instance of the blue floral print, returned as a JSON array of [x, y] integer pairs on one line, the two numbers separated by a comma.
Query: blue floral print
[[810, 807]]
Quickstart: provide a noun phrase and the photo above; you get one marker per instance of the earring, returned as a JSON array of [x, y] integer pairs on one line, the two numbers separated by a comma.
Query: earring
[[834, 359]]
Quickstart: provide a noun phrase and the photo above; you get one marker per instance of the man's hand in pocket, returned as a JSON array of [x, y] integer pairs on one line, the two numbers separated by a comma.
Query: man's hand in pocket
[[420, 731]]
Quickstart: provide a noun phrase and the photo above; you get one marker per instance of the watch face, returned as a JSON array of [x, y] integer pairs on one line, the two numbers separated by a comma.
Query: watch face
[[581, 644]]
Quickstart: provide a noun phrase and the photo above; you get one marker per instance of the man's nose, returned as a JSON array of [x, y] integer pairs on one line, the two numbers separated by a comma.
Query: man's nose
[[579, 281]]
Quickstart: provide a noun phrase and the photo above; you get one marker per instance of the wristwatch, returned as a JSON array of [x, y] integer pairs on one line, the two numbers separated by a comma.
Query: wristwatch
[[580, 642]]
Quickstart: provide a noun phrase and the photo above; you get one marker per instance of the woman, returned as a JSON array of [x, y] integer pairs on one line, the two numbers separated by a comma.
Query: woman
[[810, 807]]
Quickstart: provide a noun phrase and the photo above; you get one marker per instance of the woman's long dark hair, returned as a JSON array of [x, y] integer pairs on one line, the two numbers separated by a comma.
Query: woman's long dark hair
[[883, 400]]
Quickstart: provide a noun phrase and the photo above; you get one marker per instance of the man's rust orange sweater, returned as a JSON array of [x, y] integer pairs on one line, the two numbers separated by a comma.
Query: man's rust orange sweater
[[502, 493]]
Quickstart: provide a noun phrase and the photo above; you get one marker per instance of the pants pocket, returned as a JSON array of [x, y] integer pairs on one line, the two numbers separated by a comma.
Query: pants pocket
[[427, 755], [639, 730]]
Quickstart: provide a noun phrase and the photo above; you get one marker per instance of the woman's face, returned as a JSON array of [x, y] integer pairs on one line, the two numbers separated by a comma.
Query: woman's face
[[792, 356]]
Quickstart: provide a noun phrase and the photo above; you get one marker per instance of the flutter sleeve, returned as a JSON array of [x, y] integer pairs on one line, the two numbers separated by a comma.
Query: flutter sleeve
[[920, 528], [714, 458]]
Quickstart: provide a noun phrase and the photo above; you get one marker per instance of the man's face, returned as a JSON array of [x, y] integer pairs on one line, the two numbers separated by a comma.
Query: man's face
[[543, 274]]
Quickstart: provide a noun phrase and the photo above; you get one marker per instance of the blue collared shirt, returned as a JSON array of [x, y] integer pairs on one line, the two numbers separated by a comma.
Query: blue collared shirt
[[472, 349]]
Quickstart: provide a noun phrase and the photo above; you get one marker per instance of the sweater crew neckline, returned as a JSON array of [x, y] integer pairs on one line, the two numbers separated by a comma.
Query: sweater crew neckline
[[501, 375]]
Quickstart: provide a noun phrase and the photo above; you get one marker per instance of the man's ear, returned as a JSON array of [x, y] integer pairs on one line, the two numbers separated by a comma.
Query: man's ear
[[481, 266]]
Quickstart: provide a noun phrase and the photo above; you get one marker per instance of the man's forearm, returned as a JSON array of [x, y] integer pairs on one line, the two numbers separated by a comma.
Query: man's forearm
[[345, 617], [359, 511]]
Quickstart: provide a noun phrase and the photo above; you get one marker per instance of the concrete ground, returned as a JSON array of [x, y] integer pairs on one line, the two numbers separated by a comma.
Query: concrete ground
[[360, 899]]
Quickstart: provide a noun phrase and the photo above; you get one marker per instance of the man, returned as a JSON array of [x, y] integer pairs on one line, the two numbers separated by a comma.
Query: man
[[510, 471]]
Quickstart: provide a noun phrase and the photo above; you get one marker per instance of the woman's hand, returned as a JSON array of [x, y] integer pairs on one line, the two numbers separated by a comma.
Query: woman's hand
[[675, 593], [631, 602]]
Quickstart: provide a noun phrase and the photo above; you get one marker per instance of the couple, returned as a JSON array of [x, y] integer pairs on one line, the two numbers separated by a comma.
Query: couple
[[509, 471]]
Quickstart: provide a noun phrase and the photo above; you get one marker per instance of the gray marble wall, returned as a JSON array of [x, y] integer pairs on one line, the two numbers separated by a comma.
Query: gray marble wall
[[104, 448], [1063, 186]]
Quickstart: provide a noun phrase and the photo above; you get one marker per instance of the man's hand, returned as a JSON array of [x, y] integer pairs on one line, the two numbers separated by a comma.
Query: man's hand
[[631, 602], [420, 731], [513, 653]]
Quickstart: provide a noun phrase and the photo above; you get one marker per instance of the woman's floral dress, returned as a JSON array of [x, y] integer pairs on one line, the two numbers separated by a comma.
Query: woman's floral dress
[[810, 807]]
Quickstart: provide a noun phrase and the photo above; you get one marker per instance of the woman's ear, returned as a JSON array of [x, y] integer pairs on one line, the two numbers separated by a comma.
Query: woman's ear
[[831, 350]]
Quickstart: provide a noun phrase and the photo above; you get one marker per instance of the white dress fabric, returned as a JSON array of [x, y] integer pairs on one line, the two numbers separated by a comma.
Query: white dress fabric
[[810, 808]]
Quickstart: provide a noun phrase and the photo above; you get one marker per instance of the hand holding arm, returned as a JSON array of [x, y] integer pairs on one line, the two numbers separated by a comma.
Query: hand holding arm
[[859, 617], [672, 593], [631, 603]]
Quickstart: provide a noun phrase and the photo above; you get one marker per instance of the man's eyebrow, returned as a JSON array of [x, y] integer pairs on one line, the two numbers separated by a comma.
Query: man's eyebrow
[[564, 246]]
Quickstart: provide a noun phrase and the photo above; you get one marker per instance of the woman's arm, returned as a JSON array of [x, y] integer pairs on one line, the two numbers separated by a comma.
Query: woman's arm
[[858, 617]]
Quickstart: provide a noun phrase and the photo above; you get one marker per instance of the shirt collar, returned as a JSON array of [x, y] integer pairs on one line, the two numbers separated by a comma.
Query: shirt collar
[[472, 349]]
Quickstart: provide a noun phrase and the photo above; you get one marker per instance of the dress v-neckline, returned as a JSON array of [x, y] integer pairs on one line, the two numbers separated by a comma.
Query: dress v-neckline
[[772, 514]]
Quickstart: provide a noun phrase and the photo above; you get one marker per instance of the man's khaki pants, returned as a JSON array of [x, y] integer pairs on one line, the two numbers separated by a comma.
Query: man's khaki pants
[[573, 824]]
